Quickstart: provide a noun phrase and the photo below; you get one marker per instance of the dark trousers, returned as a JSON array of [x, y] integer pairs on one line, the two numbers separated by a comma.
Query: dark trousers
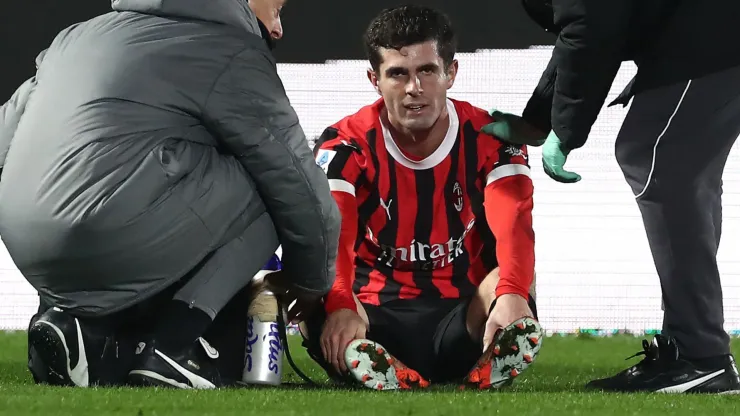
[[672, 149]]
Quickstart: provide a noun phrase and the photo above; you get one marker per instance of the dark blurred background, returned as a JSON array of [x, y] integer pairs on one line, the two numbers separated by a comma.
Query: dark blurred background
[[315, 30]]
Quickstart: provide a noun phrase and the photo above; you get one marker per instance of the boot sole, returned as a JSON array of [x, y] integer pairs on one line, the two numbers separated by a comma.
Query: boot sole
[[513, 350], [371, 365], [52, 352]]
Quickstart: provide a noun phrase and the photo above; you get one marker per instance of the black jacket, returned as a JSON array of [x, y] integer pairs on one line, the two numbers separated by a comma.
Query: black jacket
[[670, 41]]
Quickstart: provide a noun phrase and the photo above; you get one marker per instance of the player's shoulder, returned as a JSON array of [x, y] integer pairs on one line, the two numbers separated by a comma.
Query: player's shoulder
[[351, 132], [472, 119], [468, 113]]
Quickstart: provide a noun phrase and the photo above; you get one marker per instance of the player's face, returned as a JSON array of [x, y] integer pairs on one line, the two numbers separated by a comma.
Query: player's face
[[413, 83], [268, 12]]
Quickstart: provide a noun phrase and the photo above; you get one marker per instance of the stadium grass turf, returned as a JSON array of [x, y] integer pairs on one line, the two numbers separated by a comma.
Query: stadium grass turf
[[552, 386]]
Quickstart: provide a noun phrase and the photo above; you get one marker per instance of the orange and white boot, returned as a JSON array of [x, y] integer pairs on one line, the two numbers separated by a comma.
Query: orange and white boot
[[373, 367], [512, 351]]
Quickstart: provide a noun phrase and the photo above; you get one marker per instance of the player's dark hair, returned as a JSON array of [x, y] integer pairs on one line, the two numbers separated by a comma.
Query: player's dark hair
[[408, 25]]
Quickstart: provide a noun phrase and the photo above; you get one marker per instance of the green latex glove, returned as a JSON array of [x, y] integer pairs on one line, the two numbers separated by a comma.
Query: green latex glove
[[554, 155], [513, 129]]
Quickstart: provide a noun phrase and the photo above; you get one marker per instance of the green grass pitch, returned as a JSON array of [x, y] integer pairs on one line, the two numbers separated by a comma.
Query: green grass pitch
[[552, 386]]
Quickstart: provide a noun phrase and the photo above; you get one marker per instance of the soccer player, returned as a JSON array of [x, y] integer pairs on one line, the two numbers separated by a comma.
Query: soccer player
[[149, 170], [436, 257]]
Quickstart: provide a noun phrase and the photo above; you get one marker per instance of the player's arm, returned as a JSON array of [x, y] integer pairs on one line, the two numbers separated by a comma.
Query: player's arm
[[339, 160], [587, 55], [508, 205]]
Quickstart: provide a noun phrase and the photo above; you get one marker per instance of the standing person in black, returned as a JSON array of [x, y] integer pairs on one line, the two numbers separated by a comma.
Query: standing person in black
[[672, 149]]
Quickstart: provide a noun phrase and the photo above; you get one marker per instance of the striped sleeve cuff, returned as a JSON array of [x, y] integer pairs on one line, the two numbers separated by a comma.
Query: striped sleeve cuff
[[504, 171]]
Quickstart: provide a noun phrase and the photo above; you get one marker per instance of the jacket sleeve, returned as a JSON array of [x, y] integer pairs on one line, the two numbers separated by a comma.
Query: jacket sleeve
[[11, 111], [587, 56], [538, 111], [10, 116], [249, 112]]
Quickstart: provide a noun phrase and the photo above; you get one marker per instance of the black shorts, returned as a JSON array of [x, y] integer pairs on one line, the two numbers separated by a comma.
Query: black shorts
[[429, 335]]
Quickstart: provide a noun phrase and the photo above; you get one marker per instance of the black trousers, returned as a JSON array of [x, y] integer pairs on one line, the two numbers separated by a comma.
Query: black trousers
[[672, 149]]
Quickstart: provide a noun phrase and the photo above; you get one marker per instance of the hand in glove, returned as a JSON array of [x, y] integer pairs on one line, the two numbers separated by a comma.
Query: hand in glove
[[554, 155], [513, 129]]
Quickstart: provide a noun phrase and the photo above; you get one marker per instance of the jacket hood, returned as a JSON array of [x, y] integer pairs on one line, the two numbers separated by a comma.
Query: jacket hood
[[235, 13]]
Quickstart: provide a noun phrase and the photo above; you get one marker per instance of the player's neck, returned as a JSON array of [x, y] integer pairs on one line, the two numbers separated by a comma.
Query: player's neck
[[420, 144]]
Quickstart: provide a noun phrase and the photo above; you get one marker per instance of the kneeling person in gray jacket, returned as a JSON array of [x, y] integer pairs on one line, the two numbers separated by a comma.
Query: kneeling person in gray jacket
[[149, 169]]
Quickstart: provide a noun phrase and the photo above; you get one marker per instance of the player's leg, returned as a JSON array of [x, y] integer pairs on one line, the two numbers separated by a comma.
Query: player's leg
[[377, 361], [398, 354], [311, 329], [672, 149], [459, 341], [485, 299]]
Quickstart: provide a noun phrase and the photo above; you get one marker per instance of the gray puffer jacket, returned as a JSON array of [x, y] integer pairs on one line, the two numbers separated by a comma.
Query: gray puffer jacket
[[145, 135]]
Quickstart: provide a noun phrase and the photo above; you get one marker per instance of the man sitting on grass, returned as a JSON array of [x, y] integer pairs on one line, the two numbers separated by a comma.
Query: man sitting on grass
[[435, 268]]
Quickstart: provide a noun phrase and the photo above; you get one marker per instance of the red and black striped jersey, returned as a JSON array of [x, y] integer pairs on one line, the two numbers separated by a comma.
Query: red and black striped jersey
[[427, 228]]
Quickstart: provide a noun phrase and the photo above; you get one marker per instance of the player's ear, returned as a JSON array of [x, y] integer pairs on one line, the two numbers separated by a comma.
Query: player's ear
[[373, 77], [451, 73]]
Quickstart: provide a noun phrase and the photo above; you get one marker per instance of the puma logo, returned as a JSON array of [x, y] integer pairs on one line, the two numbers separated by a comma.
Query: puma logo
[[386, 207]]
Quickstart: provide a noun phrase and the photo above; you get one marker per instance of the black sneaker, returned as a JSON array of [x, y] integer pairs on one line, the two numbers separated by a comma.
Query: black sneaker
[[66, 351], [57, 349], [192, 368], [663, 370]]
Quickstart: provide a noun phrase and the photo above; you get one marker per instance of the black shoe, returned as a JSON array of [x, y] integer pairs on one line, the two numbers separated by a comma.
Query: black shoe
[[67, 351], [663, 370], [192, 368], [57, 350]]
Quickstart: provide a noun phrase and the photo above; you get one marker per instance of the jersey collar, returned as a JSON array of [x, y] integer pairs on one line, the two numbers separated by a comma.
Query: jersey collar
[[435, 158]]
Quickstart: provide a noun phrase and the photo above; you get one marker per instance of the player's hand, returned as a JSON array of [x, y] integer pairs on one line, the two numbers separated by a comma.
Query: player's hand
[[554, 155], [341, 327], [514, 129], [508, 309]]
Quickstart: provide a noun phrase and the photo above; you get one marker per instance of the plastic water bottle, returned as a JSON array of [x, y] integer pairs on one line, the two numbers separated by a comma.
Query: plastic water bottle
[[263, 353]]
